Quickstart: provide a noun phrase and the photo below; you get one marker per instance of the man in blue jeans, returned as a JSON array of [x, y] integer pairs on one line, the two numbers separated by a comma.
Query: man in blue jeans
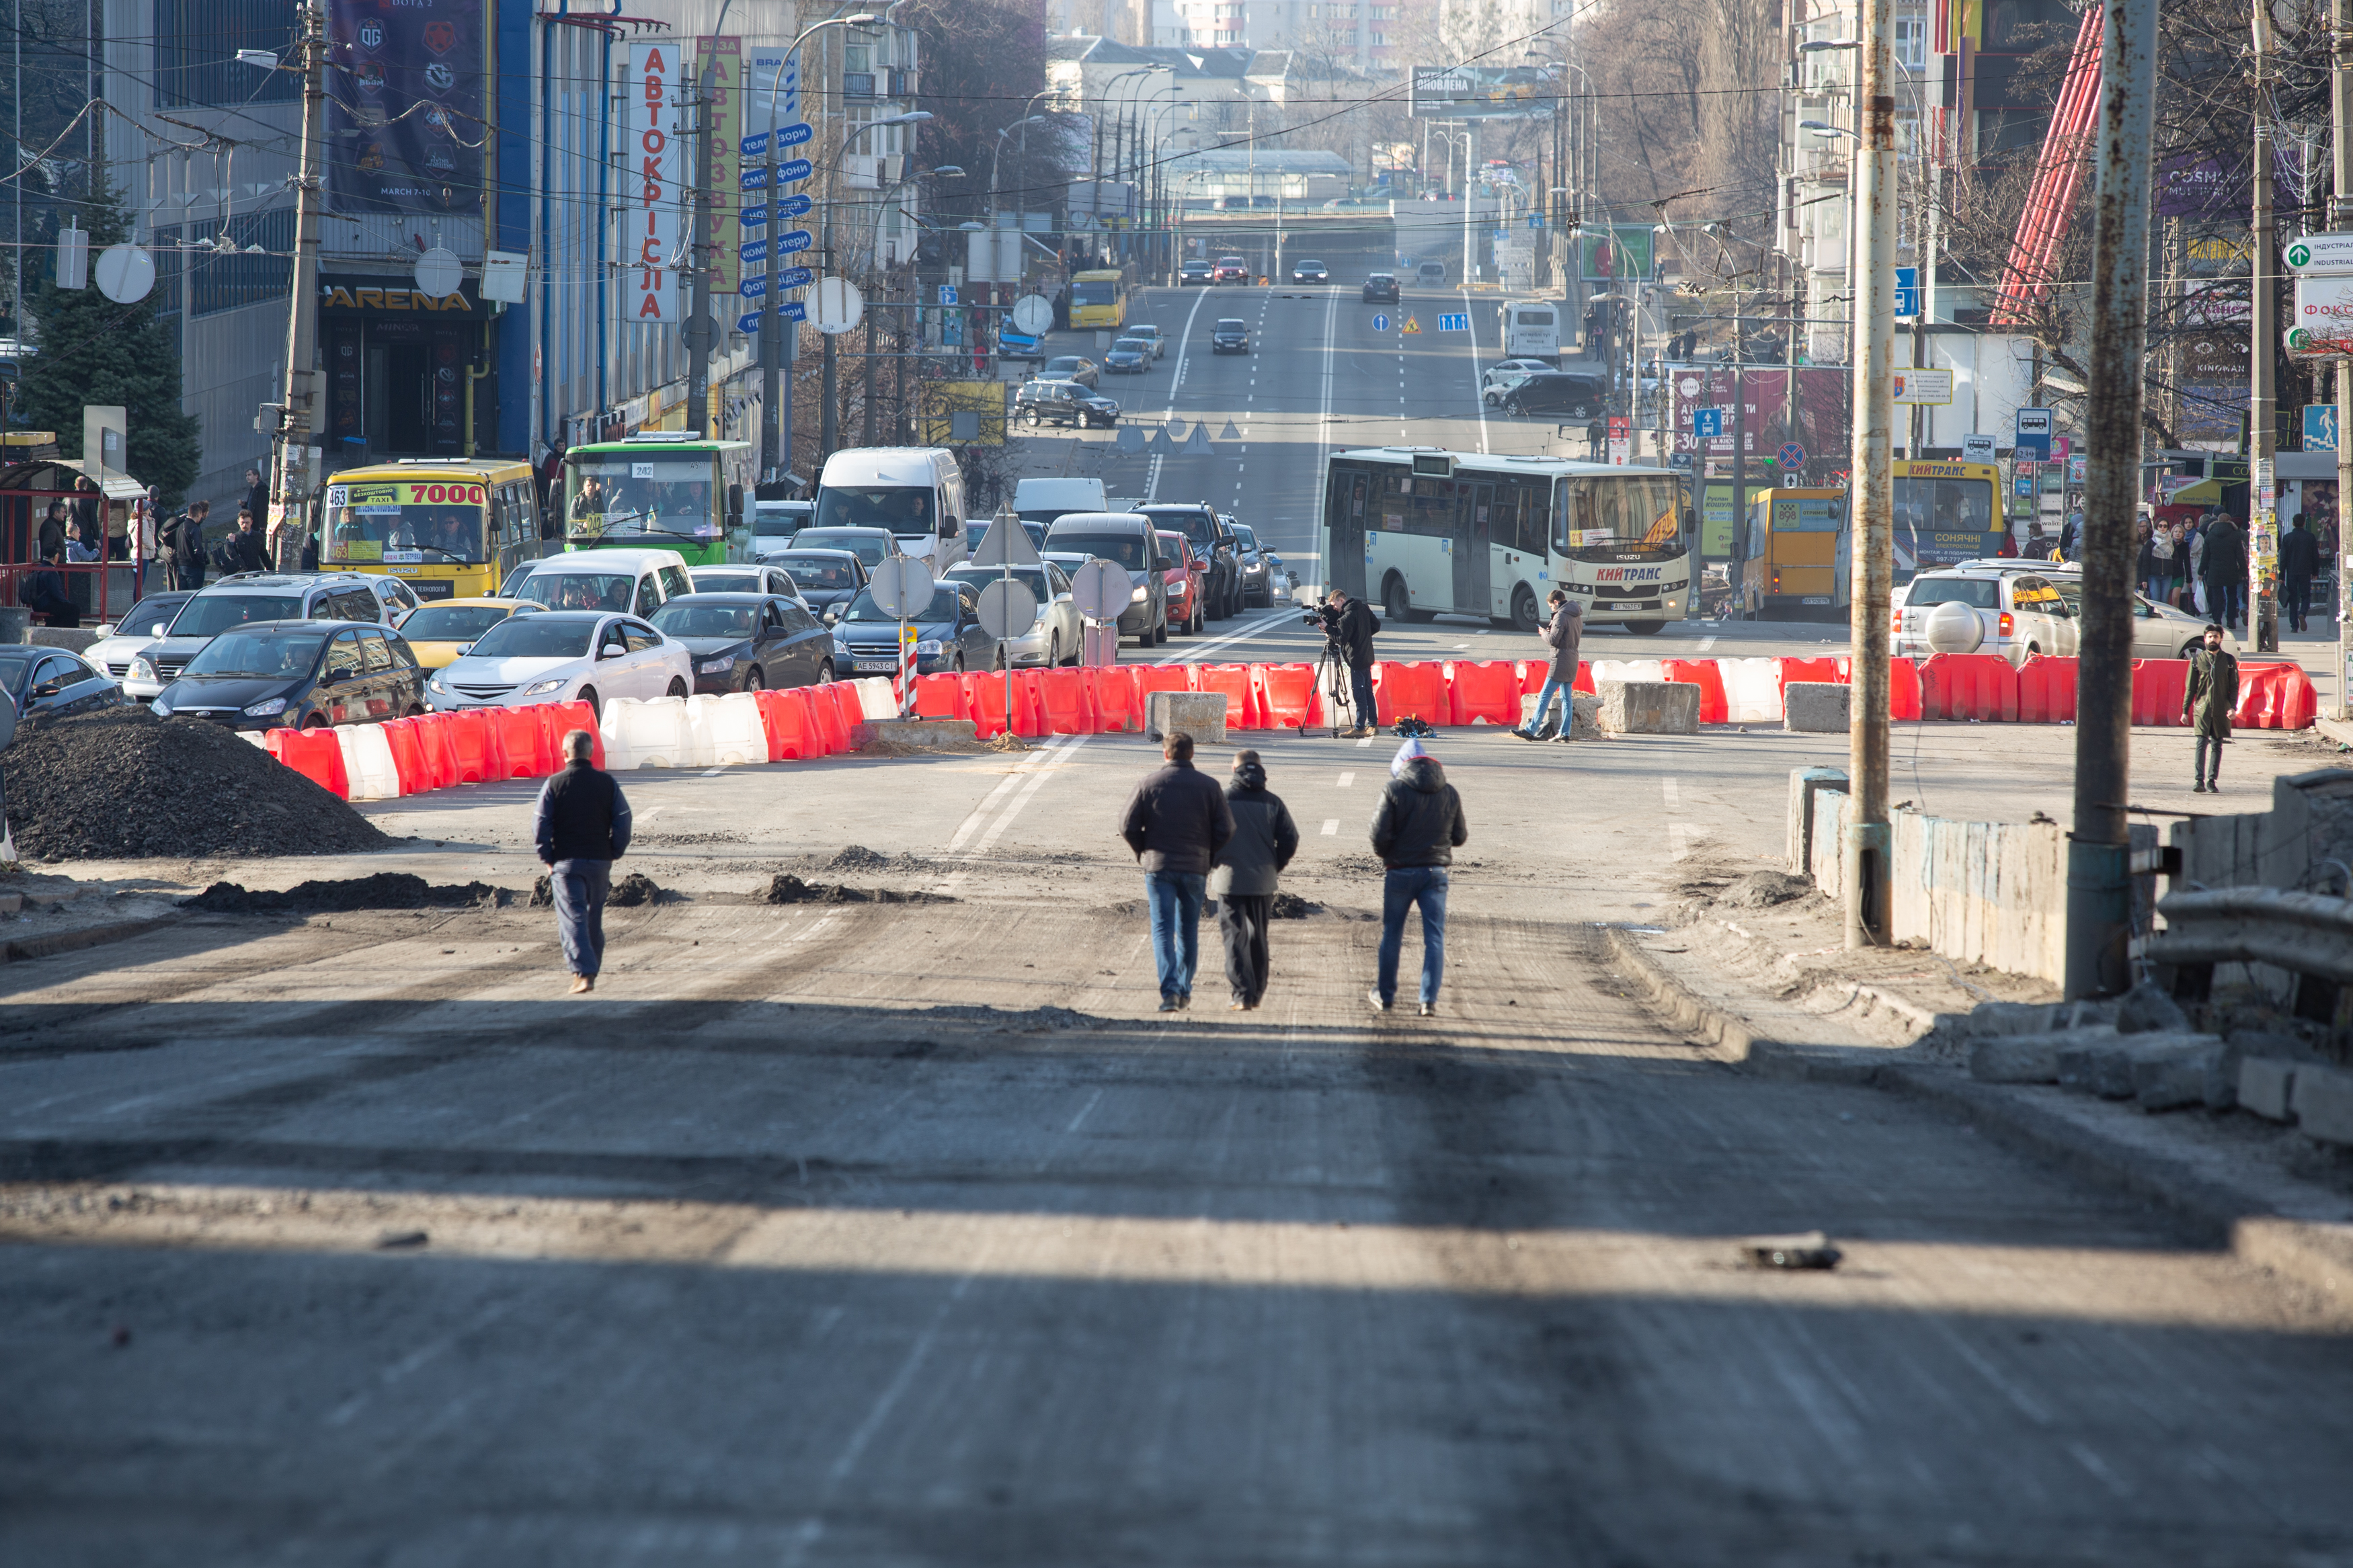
[[1561, 634], [1416, 832], [1176, 822], [583, 827]]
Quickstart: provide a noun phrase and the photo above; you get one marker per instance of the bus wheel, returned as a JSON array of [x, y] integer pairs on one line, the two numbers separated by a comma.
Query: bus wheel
[[1524, 608], [1397, 605], [1645, 628]]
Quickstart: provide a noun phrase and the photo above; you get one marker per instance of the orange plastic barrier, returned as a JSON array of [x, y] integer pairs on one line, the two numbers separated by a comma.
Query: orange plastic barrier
[[1902, 686], [783, 718], [432, 733], [1704, 674], [474, 746], [1148, 678], [1968, 686], [316, 754], [1287, 698], [561, 718], [848, 712], [1488, 690], [1234, 680], [2046, 691], [984, 704], [1410, 691], [2157, 690], [409, 755], [1831, 671], [939, 697], [522, 739], [2276, 696], [1112, 689], [1064, 695], [1030, 720]]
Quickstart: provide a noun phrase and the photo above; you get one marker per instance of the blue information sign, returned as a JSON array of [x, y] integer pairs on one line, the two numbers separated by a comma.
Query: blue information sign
[[752, 177], [752, 217], [795, 277], [792, 169], [947, 294], [793, 239], [1455, 322], [1707, 423], [793, 135], [792, 206], [753, 286], [2320, 427]]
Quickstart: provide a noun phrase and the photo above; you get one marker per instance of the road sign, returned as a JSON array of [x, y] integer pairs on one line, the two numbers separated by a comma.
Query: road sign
[[1535, 220], [753, 287], [1977, 448], [902, 586], [1380, 323], [1707, 423], [2320, 427], [792, 169], [1033, 313], [948, 293], [2320, 253], [1929, 387], [1007, 543], [792, 135], [792, 206], [2033, 434], [1412, 324], [1907, 292], [755, 146], [793, 239], [1455, 321], [1102, 589], [1792, 454], [1008, 607], [752, 177], [839, 306]]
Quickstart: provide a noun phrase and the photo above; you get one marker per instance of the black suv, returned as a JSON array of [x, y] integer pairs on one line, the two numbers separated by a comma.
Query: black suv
[[1231, 337], [1199, 522], [1063, 403], [1381, 287], [1577, 395]]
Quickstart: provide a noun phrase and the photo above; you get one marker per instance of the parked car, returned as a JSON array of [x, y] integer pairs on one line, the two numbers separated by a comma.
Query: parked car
[[618, 582], [440, 632], [297, 675], [757, 577], [1128, 357], [749, 641], [948, 636], [1232, 269], [563, 656], [1381, 287], [1063, 403], [1150, 334], [1130, 541], [1070, 367], [1512, 370], [1190, 273], [1309, 272], [44, 682], [1187, 582], [1199, 521], [1058, 635], [828, 579], [141, 624], [2013, 614], [241, 599], [1230, 336], [1263, 572], [1575, 393], [872, 546]]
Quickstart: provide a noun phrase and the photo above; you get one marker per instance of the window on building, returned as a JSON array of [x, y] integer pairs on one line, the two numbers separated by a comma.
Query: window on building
[[218, 283], [1911, 41], [196, 52]]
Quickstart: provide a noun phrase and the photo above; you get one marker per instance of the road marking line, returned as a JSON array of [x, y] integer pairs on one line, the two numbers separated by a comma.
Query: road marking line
[[1346, 780], [1331, 827], [1013, 808], [1705, 644], [1365, 742], [1006, 786], [1681, 836], [1674, 794], [1197, 649]]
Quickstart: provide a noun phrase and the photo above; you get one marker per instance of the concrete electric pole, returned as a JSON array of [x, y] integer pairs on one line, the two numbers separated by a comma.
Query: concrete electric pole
[[2263, 509], [2340, 215], [290, 476]]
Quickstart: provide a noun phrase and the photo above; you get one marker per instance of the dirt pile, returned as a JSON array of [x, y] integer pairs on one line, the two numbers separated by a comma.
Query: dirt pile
[[385, 890], [631, 893], [858, 857], [1291, 907], [1763, 889], [123, 784], [788, 889]]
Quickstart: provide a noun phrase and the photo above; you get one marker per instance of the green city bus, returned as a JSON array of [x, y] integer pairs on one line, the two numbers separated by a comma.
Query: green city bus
[[666, 490]]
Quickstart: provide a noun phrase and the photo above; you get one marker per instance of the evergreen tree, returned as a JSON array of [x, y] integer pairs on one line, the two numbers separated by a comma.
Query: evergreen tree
[[93, 350]]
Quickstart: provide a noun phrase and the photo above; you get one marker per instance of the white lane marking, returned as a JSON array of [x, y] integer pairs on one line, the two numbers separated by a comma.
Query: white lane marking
[[1152, 483], [1256, 627], [990, 802], [1331, 827], [1365, 742], [1674, 794], [1085, 1111], [1681, 836], [1013, 808], [1470, 319], [1705, 644], [1346, 780]]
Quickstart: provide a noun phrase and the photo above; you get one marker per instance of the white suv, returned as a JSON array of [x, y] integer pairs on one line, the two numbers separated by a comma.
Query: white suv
[[2013, 614]]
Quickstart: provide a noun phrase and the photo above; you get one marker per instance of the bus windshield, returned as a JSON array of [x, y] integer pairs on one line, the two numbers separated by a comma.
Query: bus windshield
[[403, 521], [1944, 505], [1610, 519], [656, 492]]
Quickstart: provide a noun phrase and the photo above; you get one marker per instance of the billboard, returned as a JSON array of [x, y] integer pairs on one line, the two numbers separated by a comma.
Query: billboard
[[1480, 92], [655, 188], [407, 118], [723, 59]]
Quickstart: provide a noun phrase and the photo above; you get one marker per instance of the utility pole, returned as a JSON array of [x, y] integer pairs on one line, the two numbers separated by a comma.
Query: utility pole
[[1871, 498], [2340, 213], [290, 473], [700, 328], [2099, 853], [2263, 512]]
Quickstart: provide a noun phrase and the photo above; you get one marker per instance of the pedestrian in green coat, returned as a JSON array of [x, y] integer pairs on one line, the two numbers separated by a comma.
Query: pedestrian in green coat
[[2208, 702]]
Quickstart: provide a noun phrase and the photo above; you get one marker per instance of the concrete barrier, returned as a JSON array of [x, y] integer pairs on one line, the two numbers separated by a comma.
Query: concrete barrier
[[1585, 716], [1815, 706], [1201, 714], [1647, 707], [1804, 784]]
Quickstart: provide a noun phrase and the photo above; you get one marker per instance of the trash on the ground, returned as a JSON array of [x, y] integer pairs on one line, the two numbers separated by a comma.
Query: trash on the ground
[[1807, 1249]]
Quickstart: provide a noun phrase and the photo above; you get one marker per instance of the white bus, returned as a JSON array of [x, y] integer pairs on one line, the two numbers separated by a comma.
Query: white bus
[[1532, 330], [1421, 531]]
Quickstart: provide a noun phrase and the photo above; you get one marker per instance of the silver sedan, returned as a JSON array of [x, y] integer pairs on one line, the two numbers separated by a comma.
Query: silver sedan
[[1055, 639]]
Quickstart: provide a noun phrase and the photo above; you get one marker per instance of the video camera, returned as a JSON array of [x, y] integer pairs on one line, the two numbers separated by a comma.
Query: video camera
[[1326, 617]]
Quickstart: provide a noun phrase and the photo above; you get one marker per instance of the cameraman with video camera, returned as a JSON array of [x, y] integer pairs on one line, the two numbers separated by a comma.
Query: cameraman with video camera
[[1349, 626]]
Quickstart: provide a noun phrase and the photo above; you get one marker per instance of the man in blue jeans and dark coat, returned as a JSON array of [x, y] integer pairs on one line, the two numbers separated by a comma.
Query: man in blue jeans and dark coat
[[1176, 822], [1416, 832], [583, 828]]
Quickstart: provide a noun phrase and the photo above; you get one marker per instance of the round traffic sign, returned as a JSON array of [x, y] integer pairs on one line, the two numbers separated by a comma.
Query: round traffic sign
[[1102, 589], [1380, 323], [1792, 454], [440, 273], [1007, 608], [124, 273], [1033, 314], [2299, 254], [839, 306], [902, 586]]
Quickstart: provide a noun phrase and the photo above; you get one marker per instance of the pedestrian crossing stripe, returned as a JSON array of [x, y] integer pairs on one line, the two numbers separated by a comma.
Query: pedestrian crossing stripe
[[1412, 324]]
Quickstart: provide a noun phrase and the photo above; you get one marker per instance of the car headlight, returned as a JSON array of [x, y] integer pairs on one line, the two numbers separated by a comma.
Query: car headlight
[[161, 709], [1143, 592], [142, 670], [930, 647], [715, 666], [432, 683], [542, 688], [266, 708]]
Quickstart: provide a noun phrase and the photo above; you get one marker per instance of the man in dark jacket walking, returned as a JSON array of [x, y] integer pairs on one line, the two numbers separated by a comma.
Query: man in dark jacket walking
[[1416, 831], [1351, 631], [2299, 563], [1176, 822], [583, 828], [1264, 840], [1561, 634], [2208, 702], [183, 540], [2224, 565]]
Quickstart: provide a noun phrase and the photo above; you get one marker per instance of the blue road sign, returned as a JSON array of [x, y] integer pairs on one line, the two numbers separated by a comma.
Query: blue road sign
[[947, 294], [1707, 423], [792, 206], [1535, 220], [793, 135], [1907, 277], [748, 322], [1792, 454], [753, 286], [1907, 292], [790, 310], [1381, 325], [795, 277], [752, 177], [752, 217], [792, 169], [793, 310], [2320, 427], [755, 252], [755, 146], [793, 239], [1455, 321]]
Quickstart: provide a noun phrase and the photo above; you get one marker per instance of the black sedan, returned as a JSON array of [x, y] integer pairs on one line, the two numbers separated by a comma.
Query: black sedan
[[949, 638], [828, 579], [1070, 367], [1381, 287], [1310, 272], [44, 682], [274, 675], [1195, 272], [746, 642], [1231, 337]]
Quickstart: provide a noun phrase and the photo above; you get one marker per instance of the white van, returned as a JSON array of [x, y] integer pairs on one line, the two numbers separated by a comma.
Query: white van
[[1532, 330], [1042, 500], [916, 492]]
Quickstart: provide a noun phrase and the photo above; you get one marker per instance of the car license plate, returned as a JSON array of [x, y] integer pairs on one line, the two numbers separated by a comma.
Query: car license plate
[[875, 664]]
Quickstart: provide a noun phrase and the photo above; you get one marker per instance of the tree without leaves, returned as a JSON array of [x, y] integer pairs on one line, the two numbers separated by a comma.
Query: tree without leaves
[[982, 61]]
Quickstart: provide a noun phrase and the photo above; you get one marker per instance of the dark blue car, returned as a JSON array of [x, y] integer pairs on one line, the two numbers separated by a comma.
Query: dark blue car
[[748, 642], [948, 638]]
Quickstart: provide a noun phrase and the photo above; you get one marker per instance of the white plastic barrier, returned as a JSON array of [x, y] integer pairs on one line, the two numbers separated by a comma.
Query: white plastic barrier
[[656, 734], [876, 699], [1752, 691], [1626, 670], [727, 730], [367, 761]]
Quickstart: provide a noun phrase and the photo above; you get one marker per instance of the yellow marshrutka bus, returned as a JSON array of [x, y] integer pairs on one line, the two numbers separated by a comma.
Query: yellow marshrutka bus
[[449, 528], [1098, 299]]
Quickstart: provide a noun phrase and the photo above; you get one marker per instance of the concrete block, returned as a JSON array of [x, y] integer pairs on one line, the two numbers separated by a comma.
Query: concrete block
[[2173, 1077], [2026, 1058], [1804, 784], [917, 734], [1201, 714], [76, 639], [2324, 1103], [1817, 707], [2146, 1009], [2267, 1086], [1584, 725], [2036, 1017], [1649, 707]]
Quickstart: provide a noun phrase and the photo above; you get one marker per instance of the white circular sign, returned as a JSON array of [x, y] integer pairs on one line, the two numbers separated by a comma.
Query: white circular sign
[[1007, 608], [902, 586], [439, 273], [1033, 314], [1102, 589], [125, 273], [838, 307]]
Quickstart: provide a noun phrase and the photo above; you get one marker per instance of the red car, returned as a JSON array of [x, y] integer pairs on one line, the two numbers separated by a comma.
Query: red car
[[1231, 269], [1188, 585]]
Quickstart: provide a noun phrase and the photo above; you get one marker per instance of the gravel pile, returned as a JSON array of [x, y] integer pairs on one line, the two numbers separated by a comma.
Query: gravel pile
[[385, 890], [788, 889], [122, 784], [858, 857]]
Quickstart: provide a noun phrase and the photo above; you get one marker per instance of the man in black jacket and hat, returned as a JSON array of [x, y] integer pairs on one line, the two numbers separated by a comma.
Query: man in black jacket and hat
[[1248, 867], [1416, 831], [583, 828]]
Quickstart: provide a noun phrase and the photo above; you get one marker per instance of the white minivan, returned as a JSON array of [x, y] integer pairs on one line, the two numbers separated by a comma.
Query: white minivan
[[916, 492], [616, 581]]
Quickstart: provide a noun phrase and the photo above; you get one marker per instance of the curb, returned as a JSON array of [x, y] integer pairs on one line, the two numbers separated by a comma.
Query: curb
[[75, 940], [2315, 1253]]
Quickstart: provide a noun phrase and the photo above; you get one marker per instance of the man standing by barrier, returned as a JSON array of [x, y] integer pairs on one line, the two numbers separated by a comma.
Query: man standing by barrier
[[1562, 635], [1264, 840], [1416, 831], [2208, 701], [583, 828], [1351, 631], [1176, 822]]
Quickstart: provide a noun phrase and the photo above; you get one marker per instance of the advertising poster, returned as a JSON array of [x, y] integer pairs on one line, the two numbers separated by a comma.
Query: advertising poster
[[655, 190], [406, 101], [723, 59]]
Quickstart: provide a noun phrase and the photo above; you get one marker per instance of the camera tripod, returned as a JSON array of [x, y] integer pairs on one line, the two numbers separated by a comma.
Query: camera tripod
[[1339, 692]]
